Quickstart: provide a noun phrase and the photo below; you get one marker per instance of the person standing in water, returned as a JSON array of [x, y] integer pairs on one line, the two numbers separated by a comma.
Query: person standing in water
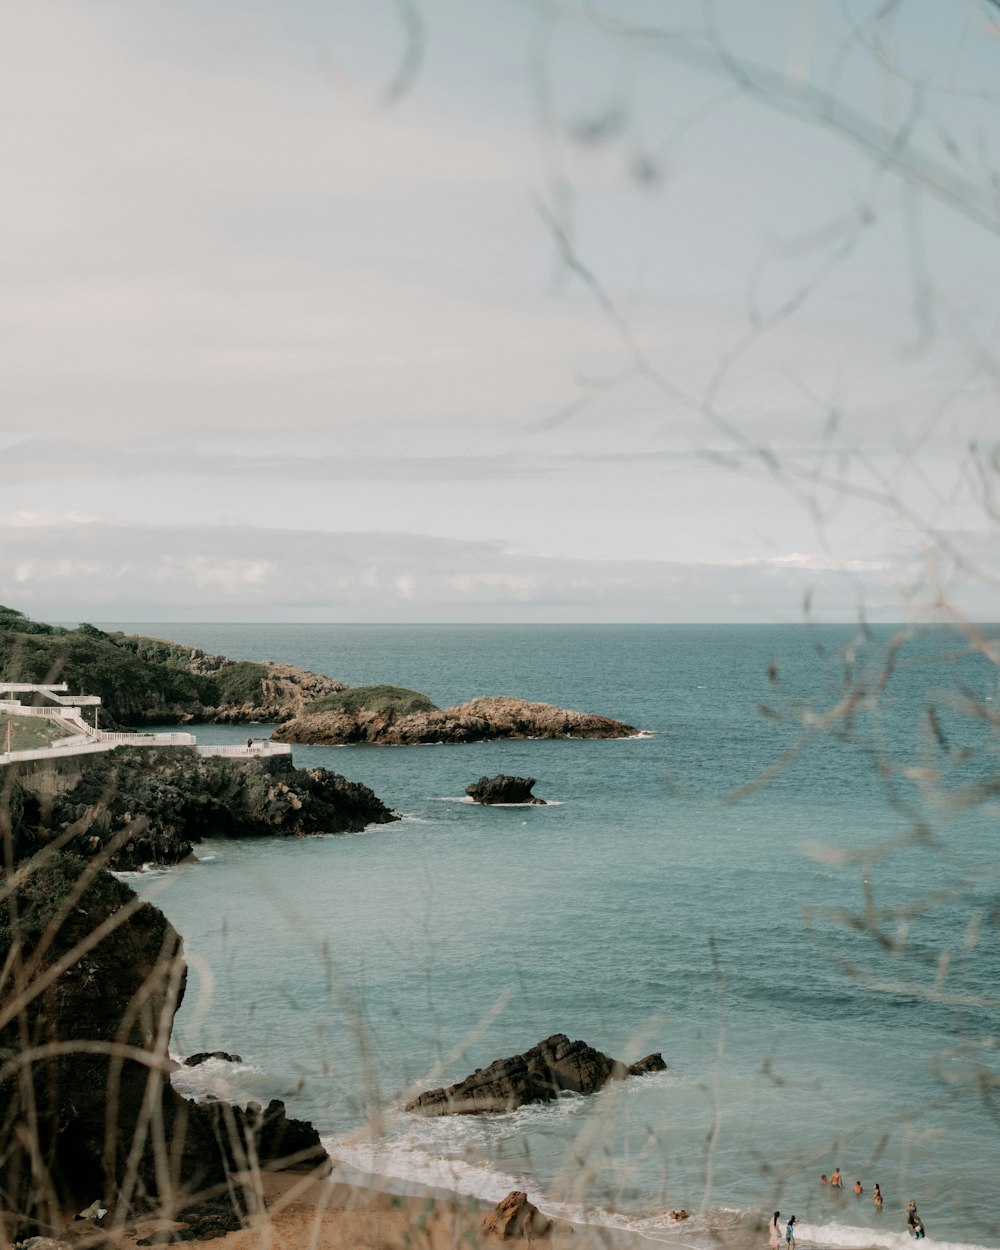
[[877, 1198], [774, 1228], [790, 1234], [836, 1180], [858, 1188], [913, 1221]]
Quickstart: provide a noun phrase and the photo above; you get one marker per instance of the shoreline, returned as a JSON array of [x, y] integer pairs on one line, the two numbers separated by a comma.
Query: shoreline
[[313, 1211], [324, 1211]]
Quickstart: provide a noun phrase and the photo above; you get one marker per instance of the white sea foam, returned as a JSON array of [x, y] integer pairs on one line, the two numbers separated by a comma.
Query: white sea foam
[[853, 1237], [238, 1083], [403, 1162], [464, 798], [141, 874]]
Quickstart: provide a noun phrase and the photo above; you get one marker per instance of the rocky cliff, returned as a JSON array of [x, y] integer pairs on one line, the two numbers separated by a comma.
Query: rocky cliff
[[139, 805], [484, 718], [91, 979]]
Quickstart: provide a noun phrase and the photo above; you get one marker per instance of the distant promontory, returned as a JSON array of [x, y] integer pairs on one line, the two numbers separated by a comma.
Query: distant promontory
[[146, 681]]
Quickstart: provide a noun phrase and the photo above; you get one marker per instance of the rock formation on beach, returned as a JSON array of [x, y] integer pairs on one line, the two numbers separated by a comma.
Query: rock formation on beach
[[503, 789], [539, 1075], [480, 719], [516, 1217], [138, 805], [92, 978]]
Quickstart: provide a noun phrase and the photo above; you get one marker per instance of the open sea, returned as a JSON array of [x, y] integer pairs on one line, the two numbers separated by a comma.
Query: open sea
[[788, 885]]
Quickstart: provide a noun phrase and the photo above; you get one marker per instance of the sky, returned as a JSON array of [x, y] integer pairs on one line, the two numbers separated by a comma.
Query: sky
[[499, 310]]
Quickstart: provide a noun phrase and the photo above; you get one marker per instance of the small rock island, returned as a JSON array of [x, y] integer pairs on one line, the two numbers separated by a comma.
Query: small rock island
[[503, 789], [541, 1074]]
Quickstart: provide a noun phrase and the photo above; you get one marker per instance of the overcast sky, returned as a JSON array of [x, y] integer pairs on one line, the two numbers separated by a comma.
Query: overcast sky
[[508, 310]]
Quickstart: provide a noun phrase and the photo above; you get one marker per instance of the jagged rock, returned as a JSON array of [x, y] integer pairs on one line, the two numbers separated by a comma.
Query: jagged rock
[[503, 789], [192, 1061], [479, 719], [270, 1136], [140, 805], [515, 1216], [539, 1075], [86, 1107]]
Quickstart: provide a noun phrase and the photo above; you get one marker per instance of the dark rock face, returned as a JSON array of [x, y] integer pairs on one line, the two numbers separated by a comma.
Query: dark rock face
[[268, 1135], [539, 1075], [139, 805], [203, 1056], [503, 789], [92, 979], [515, 1216], [475, 721]]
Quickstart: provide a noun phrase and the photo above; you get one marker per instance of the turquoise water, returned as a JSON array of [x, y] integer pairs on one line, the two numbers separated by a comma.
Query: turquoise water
[[664, 901]]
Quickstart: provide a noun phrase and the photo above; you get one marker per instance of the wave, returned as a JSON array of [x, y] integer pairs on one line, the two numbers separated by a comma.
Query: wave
[[142, 874], [852, 1237], [464, 798], [411, 1160], [238, 1083]]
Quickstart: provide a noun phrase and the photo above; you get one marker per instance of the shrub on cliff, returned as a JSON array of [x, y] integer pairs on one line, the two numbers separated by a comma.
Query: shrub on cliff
[[241, 681], [384, 700]]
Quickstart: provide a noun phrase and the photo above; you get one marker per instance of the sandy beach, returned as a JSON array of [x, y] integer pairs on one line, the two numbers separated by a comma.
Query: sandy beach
[[311, 1212]]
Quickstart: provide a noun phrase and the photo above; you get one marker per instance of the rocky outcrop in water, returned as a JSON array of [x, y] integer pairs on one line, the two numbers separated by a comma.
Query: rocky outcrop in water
[[92, 977], [503, 789], [203, 1056], [480, 719], [539, 1075], [139, 805]]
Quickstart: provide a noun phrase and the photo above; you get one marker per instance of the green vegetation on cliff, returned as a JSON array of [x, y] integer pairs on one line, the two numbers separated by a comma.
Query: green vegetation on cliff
[[137, 678], [384, 700]]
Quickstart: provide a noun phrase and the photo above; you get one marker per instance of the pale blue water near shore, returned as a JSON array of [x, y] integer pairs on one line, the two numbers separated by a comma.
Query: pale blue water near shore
[[641, 911]]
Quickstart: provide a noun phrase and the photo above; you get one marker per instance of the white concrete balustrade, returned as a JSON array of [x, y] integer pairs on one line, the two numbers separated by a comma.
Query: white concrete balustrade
[[68, 712], [140, 739], [244, 752], [10, 707]]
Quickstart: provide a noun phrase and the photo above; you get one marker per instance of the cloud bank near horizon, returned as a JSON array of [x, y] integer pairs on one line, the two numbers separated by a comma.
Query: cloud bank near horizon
[[91, 570]]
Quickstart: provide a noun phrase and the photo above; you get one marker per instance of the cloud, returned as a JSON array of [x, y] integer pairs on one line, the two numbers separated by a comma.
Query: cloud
[[99, 572]]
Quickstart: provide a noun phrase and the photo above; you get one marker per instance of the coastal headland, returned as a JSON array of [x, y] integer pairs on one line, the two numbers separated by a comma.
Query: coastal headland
[[93, 976]]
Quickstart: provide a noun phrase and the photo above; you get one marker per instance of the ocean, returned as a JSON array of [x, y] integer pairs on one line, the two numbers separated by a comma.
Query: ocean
[[787, 885]]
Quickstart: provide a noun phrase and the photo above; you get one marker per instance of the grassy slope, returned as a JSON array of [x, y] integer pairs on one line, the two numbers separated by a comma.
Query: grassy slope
[[29, 732]]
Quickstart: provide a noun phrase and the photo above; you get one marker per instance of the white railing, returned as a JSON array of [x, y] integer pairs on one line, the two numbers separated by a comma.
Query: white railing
[[13, 708], [258, 748], [47, 753], [85, 744], [86, 700], [25, 687], [73, 740], [147, 739]]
